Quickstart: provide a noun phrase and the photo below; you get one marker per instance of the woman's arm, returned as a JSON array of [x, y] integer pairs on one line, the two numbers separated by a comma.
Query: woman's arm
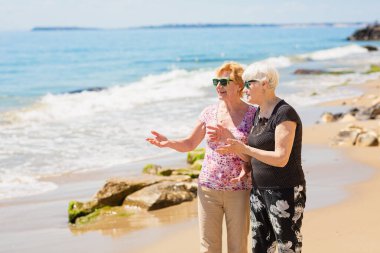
[[284, 138], [182, 145]]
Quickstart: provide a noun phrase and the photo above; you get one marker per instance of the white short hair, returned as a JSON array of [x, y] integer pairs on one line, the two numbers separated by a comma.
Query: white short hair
[[262, 72]]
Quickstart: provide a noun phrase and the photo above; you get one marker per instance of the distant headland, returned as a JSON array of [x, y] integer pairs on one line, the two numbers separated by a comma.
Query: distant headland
[[226, 25], [204, 25], [64, 28]]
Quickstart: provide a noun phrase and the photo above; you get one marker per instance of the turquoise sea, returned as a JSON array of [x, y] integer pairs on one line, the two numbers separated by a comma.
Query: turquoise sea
[[144, 79]]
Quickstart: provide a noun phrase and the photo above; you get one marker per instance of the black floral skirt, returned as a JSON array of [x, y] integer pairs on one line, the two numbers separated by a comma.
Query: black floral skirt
[[276, 219]]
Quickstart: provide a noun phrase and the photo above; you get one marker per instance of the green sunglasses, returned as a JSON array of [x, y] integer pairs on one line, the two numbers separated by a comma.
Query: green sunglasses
[[222, 81], [247, 84]]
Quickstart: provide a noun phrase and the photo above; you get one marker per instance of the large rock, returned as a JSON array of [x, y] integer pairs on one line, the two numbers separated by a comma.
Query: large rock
[[192, 173], [328, 117], [348, 135], [78, 209], [371, 48], [371, 32], [115, 190], [372, 112], [161, 195], [100, 213], [367, 139]]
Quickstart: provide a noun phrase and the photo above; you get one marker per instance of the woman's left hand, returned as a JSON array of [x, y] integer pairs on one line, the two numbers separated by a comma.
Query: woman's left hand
[[232, 146]]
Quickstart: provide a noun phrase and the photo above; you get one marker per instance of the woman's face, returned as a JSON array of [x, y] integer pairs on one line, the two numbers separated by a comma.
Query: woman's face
[[230, 90], [254, 90]]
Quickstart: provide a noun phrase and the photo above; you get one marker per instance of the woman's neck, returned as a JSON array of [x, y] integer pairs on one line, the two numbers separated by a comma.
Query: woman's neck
[[266, 108], [233, 105]]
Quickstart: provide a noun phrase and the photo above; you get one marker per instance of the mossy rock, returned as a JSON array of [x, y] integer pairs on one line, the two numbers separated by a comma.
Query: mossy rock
[[165, 172], [102, 212], [196, 154], [197, 165], [314, 93], [337, 73], [78, 209], [194, 173], [151, 169], [187, 172], [373, 69]]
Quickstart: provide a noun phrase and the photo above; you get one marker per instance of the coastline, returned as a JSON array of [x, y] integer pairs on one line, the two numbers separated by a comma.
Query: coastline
[[174, 229]]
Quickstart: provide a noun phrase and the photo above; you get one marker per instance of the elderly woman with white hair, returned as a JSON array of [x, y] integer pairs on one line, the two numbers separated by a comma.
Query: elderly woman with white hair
[[219, 196], [274, 150]]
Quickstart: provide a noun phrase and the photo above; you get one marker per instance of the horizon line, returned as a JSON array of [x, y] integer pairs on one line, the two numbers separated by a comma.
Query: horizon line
[[194, 25]]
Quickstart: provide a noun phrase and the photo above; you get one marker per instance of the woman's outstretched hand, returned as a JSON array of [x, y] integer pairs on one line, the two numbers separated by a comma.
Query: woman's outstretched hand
[[219, 133], [158, 140], [231, 146]]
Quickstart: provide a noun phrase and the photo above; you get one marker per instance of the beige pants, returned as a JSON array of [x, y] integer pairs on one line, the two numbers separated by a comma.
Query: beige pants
[[212, 206]]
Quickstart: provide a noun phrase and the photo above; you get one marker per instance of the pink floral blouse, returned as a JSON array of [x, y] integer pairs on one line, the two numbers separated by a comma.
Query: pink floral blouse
[[218, 169]]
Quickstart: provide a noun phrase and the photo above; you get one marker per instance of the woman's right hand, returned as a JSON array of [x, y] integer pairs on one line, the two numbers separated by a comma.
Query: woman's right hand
[[219, 133], [158, 140]]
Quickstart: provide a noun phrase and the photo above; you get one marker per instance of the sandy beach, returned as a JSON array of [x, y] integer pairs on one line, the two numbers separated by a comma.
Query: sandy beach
[[341, 214], [348, 226], [84, 86]]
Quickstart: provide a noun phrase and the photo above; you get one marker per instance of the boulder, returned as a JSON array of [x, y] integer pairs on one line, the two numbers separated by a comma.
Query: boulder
[[100, 213], [160, 195], [328, 117], [371, 48], [187, 171], [372, 112], [371, 32], [367, 139], [114, 191], [165, 172], [349, 135], [78, 209], [196, 154]]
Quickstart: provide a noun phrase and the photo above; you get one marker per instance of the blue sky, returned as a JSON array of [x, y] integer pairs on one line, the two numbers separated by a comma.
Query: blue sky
[[25, 14]]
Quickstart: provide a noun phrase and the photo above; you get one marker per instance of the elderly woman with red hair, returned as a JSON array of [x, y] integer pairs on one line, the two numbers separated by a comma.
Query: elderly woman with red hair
[[218, 193]]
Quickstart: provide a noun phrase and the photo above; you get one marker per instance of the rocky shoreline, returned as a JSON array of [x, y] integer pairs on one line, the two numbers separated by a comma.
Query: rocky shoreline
[[371, 32], [156, 188], [353, 134]]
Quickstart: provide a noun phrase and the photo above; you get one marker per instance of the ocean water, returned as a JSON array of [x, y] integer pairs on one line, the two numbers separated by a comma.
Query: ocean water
[[149, 79]]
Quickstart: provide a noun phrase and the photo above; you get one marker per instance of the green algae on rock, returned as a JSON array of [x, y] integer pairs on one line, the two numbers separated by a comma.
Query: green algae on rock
[[196, 154]]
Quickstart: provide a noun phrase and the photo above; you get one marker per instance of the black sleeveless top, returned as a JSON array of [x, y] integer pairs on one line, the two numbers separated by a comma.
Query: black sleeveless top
[[262, 136]]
